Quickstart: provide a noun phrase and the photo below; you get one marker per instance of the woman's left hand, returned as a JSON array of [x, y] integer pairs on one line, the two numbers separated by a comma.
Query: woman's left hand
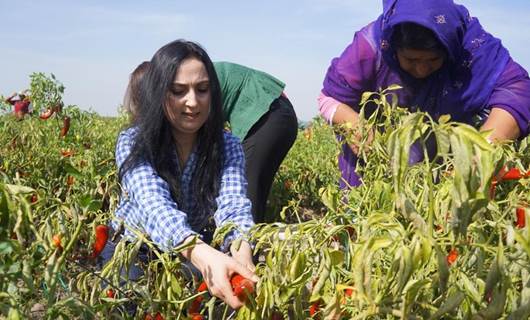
[[243, 254]]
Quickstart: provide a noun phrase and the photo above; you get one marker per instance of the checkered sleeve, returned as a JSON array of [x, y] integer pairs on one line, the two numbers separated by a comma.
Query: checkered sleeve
[[233, 206], [157, 214]]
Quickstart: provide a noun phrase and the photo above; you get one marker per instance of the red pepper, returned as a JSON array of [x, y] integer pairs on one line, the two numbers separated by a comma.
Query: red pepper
[[157, 316], [241, 286], [452, 256], [514, 174], [67, 153], [313, 309], [66, 126], [57, 241], [195, 307], [46, 114], [110, 293], [521, 217], [102, 235], [34, 198]]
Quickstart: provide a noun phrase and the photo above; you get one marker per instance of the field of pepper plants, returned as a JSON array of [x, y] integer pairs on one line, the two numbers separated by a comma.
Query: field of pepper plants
[[445, 238]]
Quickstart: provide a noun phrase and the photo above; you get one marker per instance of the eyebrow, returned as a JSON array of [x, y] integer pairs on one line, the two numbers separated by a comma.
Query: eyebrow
[[206, 81]]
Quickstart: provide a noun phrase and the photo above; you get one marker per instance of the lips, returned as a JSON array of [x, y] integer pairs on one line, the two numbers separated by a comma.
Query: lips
[[191, 115]]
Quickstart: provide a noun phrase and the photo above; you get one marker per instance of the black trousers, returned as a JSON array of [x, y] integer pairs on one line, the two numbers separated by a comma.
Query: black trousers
[[265, 147]]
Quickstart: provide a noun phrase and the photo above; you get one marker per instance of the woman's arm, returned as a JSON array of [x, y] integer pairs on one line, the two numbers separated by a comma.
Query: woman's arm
[[510, 104], [233, 205], [503, 125]]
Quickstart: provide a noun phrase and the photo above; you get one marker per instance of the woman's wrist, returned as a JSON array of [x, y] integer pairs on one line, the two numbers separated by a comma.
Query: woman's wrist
[[196, 251]]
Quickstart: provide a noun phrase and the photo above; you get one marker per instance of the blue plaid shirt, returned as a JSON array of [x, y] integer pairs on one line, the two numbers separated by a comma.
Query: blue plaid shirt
[[146, 203]]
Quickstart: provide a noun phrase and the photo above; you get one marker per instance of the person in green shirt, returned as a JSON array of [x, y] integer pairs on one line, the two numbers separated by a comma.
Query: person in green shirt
[[258, 113], [261, 115]]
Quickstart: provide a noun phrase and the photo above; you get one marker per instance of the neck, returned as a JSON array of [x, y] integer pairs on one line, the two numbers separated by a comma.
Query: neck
[[185, 144]]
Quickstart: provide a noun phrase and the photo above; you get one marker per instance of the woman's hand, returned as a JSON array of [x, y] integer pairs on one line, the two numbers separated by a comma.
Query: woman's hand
[[349, 120], [242, 252], [356, 141], [217, 268]]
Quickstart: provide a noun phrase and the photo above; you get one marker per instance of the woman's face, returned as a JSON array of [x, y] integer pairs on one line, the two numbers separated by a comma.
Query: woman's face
[[188, 100], [419, 63]]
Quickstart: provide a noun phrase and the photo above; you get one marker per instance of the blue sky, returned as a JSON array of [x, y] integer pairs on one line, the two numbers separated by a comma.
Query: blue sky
[[92, 46]]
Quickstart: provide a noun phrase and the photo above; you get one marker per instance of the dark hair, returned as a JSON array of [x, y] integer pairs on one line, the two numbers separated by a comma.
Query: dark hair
[[154, 142], [414, 36], [131, 100]]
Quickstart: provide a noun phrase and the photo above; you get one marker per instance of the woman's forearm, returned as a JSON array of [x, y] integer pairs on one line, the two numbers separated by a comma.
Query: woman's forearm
[[503, 125], [344, 114]]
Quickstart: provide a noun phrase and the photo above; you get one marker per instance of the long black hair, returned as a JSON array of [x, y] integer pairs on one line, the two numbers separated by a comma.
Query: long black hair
[[414, 36], [154, 142]]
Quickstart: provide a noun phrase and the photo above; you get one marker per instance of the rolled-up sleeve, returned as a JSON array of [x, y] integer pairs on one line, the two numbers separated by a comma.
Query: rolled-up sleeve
[[156, 213], [233, 205]]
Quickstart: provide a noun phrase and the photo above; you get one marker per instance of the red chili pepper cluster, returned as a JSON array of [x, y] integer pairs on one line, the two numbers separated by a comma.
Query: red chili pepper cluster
[[507, 175], [241, 286]]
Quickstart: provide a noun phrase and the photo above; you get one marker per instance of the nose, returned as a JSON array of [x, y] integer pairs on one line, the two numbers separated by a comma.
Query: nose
[[191, 99]]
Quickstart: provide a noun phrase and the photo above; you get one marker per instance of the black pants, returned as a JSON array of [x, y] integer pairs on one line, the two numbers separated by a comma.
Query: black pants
[[265, 147]]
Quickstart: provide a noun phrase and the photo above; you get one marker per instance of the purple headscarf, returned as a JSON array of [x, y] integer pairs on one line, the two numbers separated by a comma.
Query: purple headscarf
[[475, 58]]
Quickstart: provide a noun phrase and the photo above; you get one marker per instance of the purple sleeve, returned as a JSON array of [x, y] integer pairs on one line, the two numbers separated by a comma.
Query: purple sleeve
[[512, 93], [354, 71]]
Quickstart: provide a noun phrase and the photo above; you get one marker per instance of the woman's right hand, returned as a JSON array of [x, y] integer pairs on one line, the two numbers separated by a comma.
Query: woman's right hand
[[348, 119], [217, 268]]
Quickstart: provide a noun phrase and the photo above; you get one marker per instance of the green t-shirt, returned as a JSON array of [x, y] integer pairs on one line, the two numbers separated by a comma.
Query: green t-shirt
[[247, 95]]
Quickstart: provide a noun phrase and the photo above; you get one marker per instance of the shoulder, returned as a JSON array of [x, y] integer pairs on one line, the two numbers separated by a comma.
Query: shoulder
[[232, 147], [125, 142], [225, 66], [366, 37], [230, 140], [128, 134]]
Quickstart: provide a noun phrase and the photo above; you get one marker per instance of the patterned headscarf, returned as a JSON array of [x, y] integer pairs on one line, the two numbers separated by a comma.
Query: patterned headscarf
[[475, 59]]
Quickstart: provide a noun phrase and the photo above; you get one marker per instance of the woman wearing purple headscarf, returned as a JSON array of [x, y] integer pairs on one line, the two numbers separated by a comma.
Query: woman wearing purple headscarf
[[444, 60]]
